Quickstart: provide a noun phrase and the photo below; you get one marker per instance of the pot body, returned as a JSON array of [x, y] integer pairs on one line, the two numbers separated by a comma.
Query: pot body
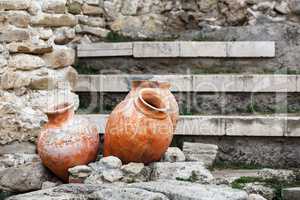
[[66, 142], [163, 88], [135, 134]]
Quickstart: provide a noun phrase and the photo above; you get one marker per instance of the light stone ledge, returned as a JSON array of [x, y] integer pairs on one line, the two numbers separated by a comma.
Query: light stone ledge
[[221, 125], [239, 49], [194, 83]]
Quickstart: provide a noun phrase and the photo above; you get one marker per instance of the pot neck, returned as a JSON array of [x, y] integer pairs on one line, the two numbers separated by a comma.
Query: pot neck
[[60, 115], [151, 104]]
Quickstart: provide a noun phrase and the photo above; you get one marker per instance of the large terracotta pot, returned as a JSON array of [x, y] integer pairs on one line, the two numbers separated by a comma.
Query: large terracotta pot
[[163, 88], [66, 141], [139, 129]]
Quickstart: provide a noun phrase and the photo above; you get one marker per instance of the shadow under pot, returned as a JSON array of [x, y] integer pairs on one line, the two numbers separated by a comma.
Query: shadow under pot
[[67, 141], [139, 129]]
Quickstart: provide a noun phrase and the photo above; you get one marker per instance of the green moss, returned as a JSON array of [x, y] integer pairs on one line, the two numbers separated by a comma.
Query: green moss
[[116, 37], [275, 184], [74, 8], [225, 165]]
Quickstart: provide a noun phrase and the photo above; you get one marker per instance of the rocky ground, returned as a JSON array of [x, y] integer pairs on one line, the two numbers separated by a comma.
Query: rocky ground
[[180, 175]]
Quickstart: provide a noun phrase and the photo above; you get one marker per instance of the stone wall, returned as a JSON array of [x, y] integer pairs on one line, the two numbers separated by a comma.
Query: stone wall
[[38, 40]]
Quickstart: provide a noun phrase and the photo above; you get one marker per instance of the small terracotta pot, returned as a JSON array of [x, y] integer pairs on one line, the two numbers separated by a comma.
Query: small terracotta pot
[[163, 88], [66, 141], [139, 129]]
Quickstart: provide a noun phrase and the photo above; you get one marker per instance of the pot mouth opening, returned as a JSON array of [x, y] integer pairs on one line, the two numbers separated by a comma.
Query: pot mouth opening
[[153, 100], [59, 108]]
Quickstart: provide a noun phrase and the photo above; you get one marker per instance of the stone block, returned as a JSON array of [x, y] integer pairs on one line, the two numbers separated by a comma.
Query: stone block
[[203, 49], [105, 49], [156, 49], [291, 193], [54, 20], [205, 153], [14, 4], [13, 34], [251, 49]]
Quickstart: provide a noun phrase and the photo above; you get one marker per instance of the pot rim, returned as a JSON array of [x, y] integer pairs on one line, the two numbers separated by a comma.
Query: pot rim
[[165, 109], [56, 109]]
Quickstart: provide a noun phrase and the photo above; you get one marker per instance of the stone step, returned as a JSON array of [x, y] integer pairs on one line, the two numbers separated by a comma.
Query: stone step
[[240, 49], [194, 83], [220, 125], [291, 193]]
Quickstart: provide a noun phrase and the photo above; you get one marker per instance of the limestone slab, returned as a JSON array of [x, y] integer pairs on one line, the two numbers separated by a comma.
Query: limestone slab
[[156, 49], [251, 49], [105, 49], [203, 49]]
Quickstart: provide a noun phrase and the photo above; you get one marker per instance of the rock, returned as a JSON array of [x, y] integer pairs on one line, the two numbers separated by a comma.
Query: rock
[[110, 162], [12, 79], [24, 178], [64, 35], [79, 173], [19, 19], [112, 175], [92, 2], [135, 172], [14, 4], [61, 56], [258, 188], [49, 184], [294, 5], [234, 12], [53, 20], [14, 160], [205, 153], [186, 171], [91, 21], [3, 61], [173, 154], [130, 7], [282, 7], [35, 8], [74, 7], [25, 62], [54, 6], [112, 8], [97, 31], [146, 26], [30, 47], [18, 148], [255, 197], [91, 10], [280, 175], [10, 34], [182, 190], [19, 122], [80, 191], [43, 33]]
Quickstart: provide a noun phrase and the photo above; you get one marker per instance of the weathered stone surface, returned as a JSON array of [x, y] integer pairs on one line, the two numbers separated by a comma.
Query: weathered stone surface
[[156, 49], [184, 190], [64, 35], [234, 12], [30, 47], [53, 20], [256, 197], [188, 171], [10, 34], [74, 6], [112, 8], [79, 173], [14, 4], [14, 160], [277, 174], [97, 31], [135, 172], [91, 21], [25, 62], [19, 19], [112, 175], [24, 178], [291, 193], [61, 56], [18, 148], [43, 33], [110, 162], [130, 7], [205, 153], [91, 10], [54, 6], [259, 188], [35, 7], [49, 184], [80, 191], [294, 5], [173, 154]]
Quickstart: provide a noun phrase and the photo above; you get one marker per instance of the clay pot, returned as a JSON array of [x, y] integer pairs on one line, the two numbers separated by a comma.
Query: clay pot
[[139, 129], [66, 141], [163, 88]]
